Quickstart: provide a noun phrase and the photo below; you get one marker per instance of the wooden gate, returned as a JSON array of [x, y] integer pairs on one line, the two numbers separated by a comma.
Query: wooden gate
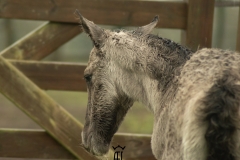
[[23, 77]]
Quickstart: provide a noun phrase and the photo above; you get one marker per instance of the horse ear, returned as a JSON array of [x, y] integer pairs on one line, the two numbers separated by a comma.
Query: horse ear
[[144, 30], [96, 33]]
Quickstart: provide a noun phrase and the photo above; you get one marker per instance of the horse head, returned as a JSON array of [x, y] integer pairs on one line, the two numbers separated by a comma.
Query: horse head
[[108, 101]]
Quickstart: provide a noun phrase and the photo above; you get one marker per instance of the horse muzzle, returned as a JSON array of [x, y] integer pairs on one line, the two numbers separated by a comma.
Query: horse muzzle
[[94, 144]]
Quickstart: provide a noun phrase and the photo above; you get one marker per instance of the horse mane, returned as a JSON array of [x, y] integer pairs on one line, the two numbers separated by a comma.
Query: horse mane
[[171, 50], [173, 54]]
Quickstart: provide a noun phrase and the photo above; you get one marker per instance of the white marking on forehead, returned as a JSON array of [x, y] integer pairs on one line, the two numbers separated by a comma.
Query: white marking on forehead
[[121, 33], [124, 39]]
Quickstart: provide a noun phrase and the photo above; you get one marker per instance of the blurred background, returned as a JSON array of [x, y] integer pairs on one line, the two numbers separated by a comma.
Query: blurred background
[[139, 119]]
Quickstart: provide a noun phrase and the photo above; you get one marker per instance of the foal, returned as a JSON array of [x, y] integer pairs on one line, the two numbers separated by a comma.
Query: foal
[[194, 96]]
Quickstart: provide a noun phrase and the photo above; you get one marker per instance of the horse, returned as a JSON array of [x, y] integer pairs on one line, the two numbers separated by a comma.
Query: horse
[[194, 96]]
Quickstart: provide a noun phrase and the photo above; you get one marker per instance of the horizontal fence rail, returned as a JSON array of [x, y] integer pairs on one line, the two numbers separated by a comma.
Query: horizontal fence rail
[[38, 144], [31, 144], [53, 75], [228, 3], [120, 13]]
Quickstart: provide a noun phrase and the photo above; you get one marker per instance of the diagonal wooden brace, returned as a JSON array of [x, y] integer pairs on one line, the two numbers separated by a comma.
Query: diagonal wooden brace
[[42, 41]]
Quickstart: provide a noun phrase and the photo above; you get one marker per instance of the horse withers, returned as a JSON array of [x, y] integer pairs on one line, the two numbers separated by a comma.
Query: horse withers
[[194, 97]]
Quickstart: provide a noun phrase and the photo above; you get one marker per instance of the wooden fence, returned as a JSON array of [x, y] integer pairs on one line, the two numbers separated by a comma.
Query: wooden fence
[[23, 77]]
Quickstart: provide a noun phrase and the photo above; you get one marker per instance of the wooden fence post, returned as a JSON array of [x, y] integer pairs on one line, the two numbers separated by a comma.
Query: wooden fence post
[[238, 33], [199, 24]]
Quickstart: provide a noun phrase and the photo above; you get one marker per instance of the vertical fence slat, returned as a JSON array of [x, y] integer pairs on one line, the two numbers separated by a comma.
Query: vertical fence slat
[[238, 33], [199, 24]]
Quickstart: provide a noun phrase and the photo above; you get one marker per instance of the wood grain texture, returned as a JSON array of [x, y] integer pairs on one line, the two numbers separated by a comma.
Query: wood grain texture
[[38, 144], [199, 24], [137, 146], [42, 109], [31, 144], [41, 42], [54, 75], [121, 13]]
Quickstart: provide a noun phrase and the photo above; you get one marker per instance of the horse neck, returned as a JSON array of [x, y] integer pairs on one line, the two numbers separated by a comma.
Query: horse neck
[[150, 67]]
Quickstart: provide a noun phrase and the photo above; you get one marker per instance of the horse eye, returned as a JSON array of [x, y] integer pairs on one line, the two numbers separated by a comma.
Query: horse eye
[[88, 77]]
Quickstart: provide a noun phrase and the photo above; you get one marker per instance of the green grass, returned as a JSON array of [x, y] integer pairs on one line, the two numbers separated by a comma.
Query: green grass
[[137, 120]]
